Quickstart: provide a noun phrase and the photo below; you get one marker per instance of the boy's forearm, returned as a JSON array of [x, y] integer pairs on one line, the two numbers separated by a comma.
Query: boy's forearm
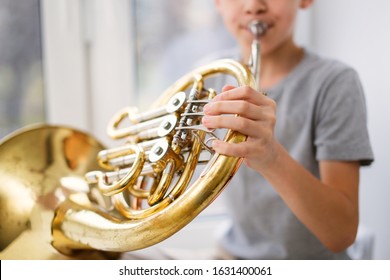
[[325, 210]]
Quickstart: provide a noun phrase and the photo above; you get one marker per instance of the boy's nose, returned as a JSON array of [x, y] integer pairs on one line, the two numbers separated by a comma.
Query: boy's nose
[[255, 7]]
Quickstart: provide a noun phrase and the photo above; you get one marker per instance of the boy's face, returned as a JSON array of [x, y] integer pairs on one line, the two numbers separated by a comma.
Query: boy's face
[[278, 14]]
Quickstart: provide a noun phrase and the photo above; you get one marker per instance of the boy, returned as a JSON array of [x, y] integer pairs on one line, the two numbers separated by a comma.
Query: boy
[[296, 197]]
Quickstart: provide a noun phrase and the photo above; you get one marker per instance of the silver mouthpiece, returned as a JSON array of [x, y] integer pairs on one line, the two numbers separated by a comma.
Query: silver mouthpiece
[[258, 28]]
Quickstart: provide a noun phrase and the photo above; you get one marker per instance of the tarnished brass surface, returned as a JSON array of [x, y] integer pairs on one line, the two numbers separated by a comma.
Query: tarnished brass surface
[[39, 167]]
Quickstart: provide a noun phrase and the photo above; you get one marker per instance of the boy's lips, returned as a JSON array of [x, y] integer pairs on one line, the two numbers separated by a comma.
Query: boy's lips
[[246, 27]]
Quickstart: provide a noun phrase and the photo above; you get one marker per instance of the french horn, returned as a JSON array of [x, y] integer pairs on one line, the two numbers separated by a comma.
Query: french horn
[[62, 185]]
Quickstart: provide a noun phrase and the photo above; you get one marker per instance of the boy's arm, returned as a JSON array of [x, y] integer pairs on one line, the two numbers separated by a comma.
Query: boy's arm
[[328, 207]]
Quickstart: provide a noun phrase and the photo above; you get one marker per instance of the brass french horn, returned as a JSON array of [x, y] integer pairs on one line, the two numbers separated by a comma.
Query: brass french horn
[[134, 195]]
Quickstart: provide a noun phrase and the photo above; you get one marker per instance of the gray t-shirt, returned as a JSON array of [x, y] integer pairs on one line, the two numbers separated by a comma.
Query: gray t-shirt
[[321, 115]]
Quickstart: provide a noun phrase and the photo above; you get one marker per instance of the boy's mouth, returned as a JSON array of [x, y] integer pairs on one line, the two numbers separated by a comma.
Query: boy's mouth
[[258, 28]]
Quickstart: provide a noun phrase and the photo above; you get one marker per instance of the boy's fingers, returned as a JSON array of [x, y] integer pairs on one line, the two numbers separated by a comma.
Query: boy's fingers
[[242, 93], [242, 125], [228, 87], [230, 149], [242, 108]]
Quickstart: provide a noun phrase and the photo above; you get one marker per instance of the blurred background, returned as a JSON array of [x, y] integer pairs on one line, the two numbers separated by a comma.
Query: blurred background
[[77, 62]]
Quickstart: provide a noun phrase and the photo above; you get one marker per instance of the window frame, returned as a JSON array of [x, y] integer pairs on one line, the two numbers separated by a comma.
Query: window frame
[[85, 87]]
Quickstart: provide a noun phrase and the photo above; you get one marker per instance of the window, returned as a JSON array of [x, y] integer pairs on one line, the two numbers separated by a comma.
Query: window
[[21, 75]]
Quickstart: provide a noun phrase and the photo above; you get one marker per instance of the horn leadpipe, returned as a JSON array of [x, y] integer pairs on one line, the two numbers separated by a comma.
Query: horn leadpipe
[[257, 28]]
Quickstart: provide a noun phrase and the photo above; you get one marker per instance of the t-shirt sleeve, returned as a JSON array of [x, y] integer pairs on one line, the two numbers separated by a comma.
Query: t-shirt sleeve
[[341, 122]]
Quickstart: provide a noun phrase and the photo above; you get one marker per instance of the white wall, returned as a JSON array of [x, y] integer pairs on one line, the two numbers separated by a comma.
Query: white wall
[[357, 32]]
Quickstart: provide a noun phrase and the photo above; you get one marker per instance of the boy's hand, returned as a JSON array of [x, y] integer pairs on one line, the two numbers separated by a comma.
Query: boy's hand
[[257, 118]]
